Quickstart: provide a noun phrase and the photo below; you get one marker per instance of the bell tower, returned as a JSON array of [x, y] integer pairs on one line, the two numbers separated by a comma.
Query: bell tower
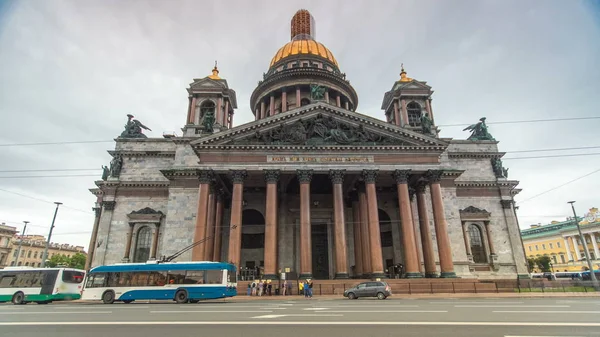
[[211, 106], [408, 105]]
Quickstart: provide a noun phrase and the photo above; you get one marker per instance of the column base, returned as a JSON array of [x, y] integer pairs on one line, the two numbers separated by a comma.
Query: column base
[[304, 276], [271, 277], [377, 275], [341, 276], [413, 275], [125, 260], [431, 275], [448, 274]]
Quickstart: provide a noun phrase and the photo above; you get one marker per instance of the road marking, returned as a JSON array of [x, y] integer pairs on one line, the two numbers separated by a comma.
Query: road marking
[[375, 306], [206, 311], [542, 336], [389, 311], [273, 308], [315, 309], [512, 306], [226, 306], [298, 315], [473, 302], [98, 307], [549, 312], [54, 313], [298, 323]]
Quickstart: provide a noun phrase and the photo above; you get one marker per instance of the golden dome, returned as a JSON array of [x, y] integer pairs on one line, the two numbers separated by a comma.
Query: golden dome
[[215, 73], [303, 47]]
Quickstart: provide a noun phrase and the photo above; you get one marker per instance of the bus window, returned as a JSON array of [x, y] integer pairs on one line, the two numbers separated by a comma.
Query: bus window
[[139, 279], [175, 277], [194, 277], [7, 281], [71, 276], [214, 276], [98, 280], [157, 278]]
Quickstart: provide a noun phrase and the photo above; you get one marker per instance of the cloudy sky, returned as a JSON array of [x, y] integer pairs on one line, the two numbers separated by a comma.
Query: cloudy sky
[[70, 71]]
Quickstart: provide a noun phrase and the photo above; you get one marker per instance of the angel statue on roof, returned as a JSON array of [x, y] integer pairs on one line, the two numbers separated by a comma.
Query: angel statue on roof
[[479, 131], [133, 128]]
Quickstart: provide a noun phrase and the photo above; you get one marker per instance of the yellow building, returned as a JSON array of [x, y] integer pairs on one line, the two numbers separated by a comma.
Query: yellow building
[[561, 241], [32, 250]]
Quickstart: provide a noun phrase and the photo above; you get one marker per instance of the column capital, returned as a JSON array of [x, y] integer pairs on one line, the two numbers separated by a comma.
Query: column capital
[[506, 204], [434, 176], [401, 176], [304, 176], [238, 176], [97, 211], [109, 205], [271, 176], [205, 176], [421, 186], [337, 176], [370, 176]]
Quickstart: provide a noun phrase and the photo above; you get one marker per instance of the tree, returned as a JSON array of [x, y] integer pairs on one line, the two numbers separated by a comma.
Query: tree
[[77, 261], [58, 260], [544, 263], [531, 264]]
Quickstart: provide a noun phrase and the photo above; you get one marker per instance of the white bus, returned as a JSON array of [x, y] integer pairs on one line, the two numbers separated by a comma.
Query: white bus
[[22, 285]]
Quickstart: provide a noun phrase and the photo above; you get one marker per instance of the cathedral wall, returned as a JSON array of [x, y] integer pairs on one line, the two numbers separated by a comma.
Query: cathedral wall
[[179, 227], [145, 144], [475, 168], [185, 156], [455, 232], [144, 168]]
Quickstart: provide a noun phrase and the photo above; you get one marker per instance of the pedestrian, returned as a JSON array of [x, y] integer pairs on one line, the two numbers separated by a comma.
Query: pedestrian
[[254, 285], [261, 287], [310, 289], [300, 288], [269, 287]]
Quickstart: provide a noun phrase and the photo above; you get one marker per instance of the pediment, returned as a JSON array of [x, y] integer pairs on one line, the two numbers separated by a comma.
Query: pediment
[[320, 124], [208, 83], [411, 85]]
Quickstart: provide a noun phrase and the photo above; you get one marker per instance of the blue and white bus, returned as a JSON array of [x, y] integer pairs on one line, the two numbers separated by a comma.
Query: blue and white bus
[[183, 282]]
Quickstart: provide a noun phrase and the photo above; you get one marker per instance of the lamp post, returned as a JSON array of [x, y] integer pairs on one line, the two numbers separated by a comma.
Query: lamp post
[[45, 256], [21, 243], [585, 249]]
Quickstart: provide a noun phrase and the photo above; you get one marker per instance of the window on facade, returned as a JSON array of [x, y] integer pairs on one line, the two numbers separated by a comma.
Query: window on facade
[[529, 248], [35, 255], [543, 246], [207, 106], [26, 263], [20, 263], [558, 244], [142, 245], [554, 259], [414, 114], [477, 248], [551, 245], [562, 259], [15, 253], [12, 263], [22, 253], [536, 247]]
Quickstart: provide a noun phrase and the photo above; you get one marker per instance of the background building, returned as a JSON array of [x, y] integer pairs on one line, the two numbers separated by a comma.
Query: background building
[[6, 235], [561, 242], [32, 250]]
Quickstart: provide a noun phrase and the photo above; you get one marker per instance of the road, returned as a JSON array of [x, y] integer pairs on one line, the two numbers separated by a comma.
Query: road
[[299, 317]]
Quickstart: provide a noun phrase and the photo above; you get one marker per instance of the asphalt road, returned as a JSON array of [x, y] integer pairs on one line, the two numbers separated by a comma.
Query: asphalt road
[[299, 317]]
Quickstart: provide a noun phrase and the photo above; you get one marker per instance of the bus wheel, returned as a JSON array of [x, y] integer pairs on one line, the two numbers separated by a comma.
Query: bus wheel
[[108, 297], [18, 298], [194, 301], [181, 296]]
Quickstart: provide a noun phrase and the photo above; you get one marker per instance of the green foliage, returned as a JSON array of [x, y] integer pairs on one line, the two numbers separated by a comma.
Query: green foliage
[[531, 264], [544, 263], [60, 260]]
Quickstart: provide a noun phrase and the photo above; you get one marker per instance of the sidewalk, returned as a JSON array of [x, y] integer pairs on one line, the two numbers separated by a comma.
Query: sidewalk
[[242, 298]]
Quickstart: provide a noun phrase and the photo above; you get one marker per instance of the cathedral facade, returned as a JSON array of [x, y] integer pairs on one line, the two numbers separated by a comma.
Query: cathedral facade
[[311, 187]]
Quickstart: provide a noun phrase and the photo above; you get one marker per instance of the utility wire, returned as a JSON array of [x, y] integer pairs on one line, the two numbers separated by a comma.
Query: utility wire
[[59, 143], [526, 121], [559, 186], [42, 200], [555, 156]]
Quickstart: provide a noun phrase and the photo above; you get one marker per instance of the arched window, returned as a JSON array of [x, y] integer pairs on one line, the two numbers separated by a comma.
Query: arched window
[[207, 106], [414, 114], [142, 245], [29, 254], [477, 248], [35, 255], [304, 101]]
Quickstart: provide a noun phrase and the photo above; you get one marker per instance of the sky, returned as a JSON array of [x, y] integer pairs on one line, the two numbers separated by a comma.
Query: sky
[[70, 71]]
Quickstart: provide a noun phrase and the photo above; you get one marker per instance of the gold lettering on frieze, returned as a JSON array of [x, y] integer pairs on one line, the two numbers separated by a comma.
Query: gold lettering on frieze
[[319, 159]]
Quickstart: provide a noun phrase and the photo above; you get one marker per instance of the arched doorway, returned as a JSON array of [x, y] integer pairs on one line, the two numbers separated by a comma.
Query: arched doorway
[[387, 241], [253, 242]]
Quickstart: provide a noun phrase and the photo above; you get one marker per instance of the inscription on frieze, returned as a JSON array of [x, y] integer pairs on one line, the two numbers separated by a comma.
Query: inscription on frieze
[[320, 159]]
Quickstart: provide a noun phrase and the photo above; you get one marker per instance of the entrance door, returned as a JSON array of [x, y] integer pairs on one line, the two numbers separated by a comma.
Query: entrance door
[[320, 252]]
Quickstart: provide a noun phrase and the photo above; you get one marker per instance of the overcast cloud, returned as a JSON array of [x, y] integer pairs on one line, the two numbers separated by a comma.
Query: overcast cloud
[[72, 70]]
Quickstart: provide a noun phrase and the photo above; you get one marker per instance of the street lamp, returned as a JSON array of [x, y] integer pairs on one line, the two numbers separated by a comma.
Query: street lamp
[[585, 249], [21, 243], [50, 235]]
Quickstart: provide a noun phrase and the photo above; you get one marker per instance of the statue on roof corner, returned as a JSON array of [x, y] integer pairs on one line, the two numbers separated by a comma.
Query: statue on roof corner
[[426, 124], [133, 128], [317, 92], [479, 131]]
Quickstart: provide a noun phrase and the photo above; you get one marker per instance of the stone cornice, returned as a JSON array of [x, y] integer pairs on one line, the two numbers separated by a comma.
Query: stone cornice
[[472, 155], [321, 147], [464, 141], [142, 140], [175, 173], [143, 184], [129, 153], [487, 183]]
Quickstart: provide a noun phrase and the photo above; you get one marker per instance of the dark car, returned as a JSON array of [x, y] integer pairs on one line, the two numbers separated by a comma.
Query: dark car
[[378, 289]]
